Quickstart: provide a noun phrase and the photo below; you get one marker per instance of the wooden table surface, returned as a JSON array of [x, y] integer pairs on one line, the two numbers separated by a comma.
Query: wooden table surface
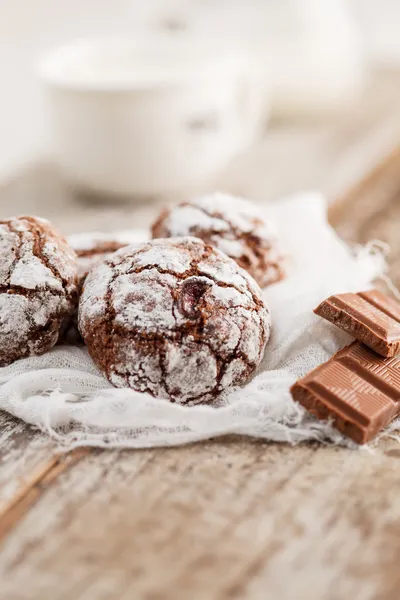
[[232, 518]]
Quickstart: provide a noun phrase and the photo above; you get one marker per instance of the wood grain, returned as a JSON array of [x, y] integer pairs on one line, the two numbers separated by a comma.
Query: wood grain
[[21, 450], [232, 518], [212, 521], [371, 210], [35, 487]]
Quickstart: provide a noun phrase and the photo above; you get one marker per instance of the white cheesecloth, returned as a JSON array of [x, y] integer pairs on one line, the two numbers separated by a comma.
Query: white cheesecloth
[[63, 393]]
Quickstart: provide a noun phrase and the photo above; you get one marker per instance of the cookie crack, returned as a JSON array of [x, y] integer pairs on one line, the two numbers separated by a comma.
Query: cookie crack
[[192, 272], [17, 258], [100, 248], [251, 239], [18, 290], [39, 243]]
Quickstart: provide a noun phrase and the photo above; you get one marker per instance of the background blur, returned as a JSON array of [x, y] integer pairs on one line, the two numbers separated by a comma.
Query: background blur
[[328, 64]]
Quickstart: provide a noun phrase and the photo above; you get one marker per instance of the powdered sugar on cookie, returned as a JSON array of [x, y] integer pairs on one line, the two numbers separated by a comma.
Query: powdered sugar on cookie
[[170, 316], [37, 286], [234, 226]]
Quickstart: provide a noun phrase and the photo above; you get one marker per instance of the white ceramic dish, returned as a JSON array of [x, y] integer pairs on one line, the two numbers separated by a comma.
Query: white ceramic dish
[[138, 117]]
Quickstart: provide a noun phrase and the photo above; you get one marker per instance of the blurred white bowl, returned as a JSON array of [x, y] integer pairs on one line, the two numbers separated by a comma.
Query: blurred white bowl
[[140, 118]]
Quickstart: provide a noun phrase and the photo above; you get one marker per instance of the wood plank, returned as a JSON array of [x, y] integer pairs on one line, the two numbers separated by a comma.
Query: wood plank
[[21, 449], [212, 521], [31, 490], [115, 516]]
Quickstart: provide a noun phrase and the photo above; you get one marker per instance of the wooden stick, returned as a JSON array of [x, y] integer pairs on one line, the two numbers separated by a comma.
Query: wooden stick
[[35, 487]]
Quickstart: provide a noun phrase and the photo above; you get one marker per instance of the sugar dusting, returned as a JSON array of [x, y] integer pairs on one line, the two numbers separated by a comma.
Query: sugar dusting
[[187, 218], [161, 346], [233, 225], [143, 301], [29, 272], [35, 289]]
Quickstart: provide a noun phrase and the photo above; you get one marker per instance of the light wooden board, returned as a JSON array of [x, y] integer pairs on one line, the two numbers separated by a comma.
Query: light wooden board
[[220, 520], [233, 518]]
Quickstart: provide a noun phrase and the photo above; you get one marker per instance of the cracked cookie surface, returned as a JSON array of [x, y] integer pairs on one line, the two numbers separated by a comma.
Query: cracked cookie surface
[[232, 225], [38, 287], [95, 250], [91, 250], [175, 318]]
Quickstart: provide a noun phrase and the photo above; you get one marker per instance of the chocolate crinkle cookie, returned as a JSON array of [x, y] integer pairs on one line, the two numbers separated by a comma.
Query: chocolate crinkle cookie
[[175, 318], [232, 225], [91, 250], [38, 287]]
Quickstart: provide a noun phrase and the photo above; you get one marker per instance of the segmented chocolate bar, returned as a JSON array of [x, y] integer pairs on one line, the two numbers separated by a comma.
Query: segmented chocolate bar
[[371, 317], [357, 389]]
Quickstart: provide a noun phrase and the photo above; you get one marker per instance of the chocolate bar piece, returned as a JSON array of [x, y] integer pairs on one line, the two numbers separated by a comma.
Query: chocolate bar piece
[[356, 388], [371, 317]]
